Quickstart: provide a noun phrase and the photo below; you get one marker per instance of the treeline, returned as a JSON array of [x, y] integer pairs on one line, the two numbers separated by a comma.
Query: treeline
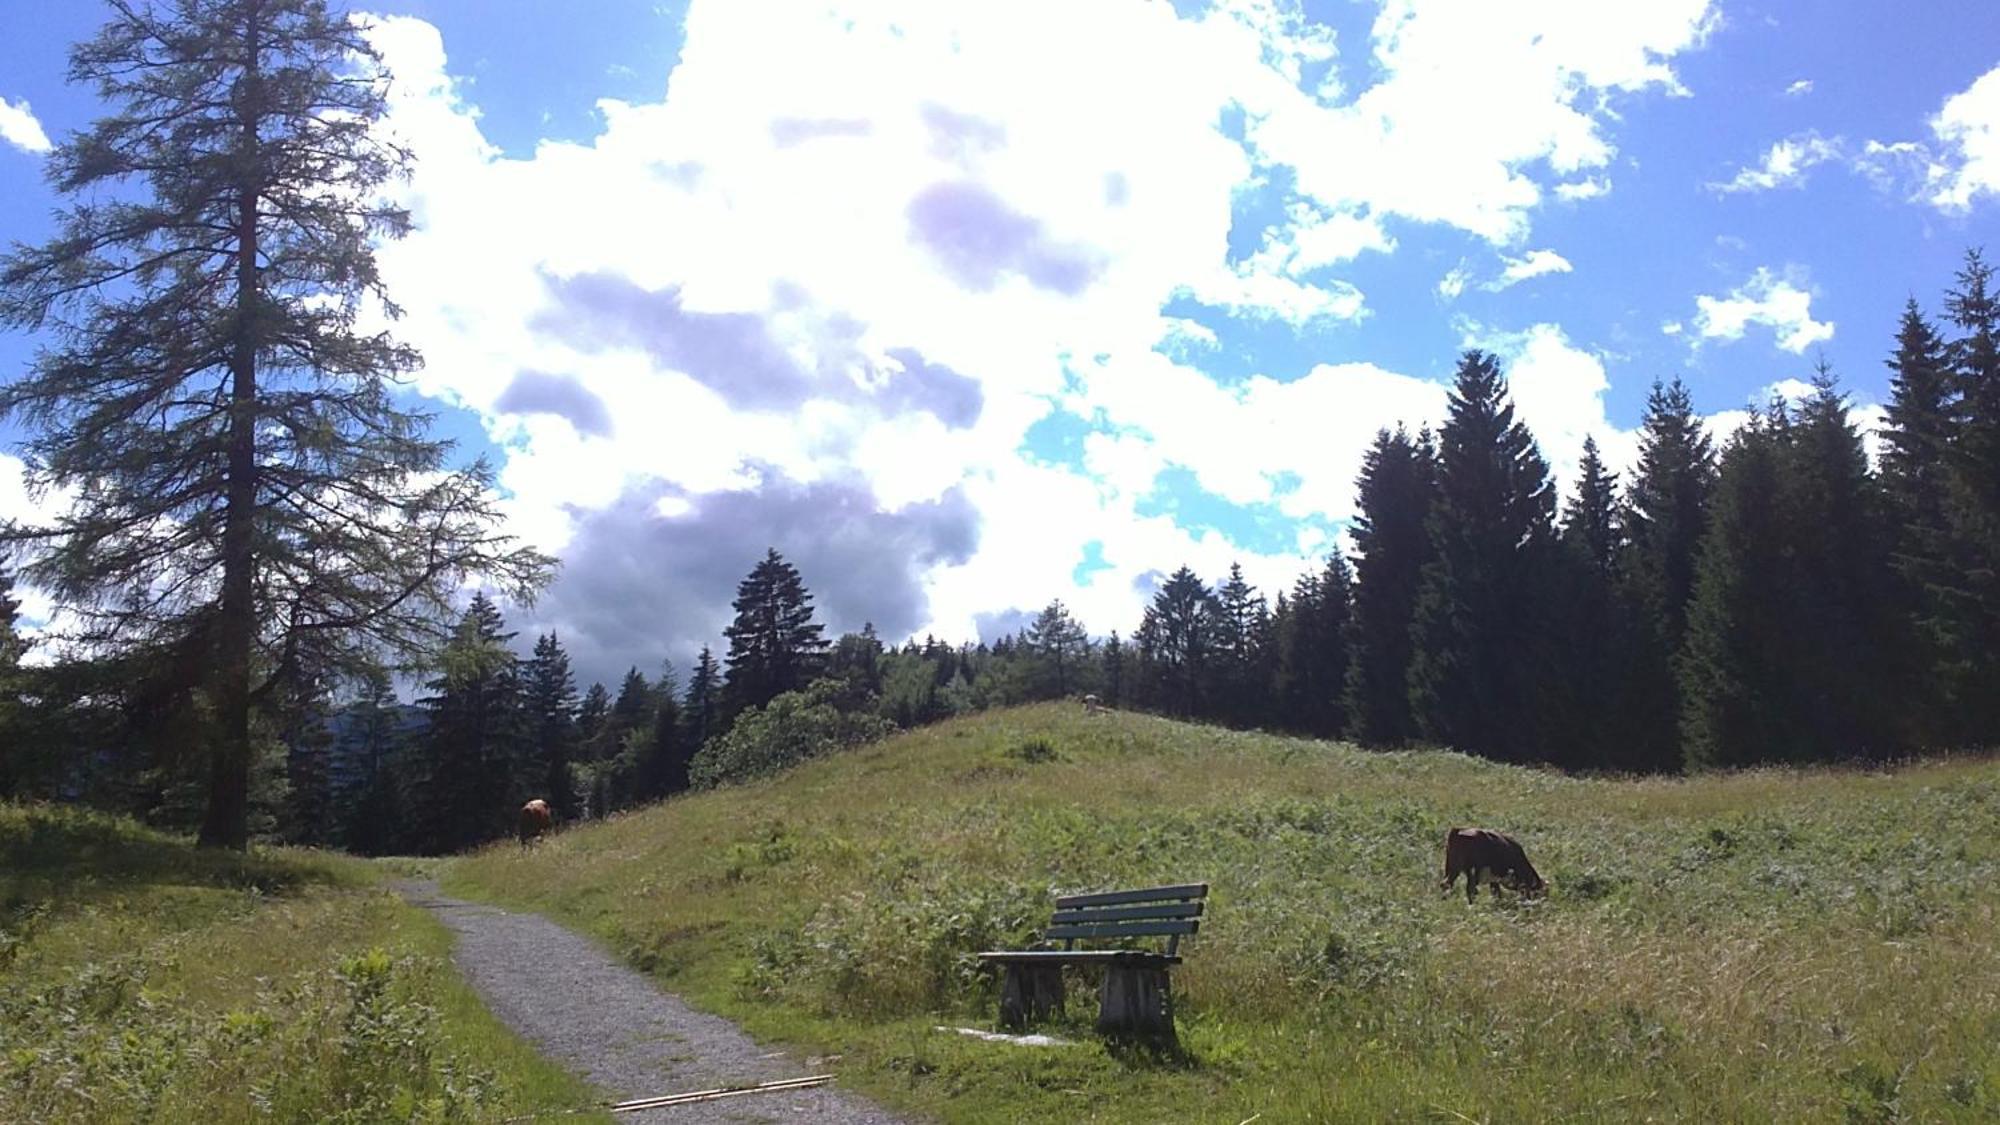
[[1779, 600]]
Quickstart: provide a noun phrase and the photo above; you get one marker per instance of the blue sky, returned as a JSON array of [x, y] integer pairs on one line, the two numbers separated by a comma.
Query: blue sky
[[965, 307]]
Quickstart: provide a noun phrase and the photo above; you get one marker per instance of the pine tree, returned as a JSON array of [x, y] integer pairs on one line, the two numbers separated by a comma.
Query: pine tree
[[1971, 586], [1177, 641], [1731, 669], [775, 646], [1480, 660], [1398, 487], [702, 707], [1664, 519], [472, 744], [550, 702], [1588, 719], [1060, 647], [249, 493]]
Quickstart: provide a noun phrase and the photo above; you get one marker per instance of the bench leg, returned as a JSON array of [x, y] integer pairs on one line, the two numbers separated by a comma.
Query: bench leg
[[1138, 1003], [1029, 993]]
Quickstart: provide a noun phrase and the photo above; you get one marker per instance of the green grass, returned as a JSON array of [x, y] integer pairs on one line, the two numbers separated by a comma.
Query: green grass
[[1775, 945], [142, 979]]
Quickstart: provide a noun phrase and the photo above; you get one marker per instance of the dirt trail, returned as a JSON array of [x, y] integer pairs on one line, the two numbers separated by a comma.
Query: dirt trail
[[611, 1024]]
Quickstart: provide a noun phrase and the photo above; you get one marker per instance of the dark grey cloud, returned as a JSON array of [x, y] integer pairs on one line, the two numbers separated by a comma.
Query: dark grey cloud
[[735, 355], [976, 237], [730, 353], [789, 131], [637, 586], [1001, 623], [538, 392], [956, 399]]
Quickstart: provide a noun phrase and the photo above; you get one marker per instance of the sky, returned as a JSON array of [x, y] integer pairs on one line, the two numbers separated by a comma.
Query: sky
[[964, 307]]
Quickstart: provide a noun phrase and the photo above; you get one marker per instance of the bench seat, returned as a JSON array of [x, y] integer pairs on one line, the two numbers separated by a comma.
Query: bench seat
[[1136, 998]]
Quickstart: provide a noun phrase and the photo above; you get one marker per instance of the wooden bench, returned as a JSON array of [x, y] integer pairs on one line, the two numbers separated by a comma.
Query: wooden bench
[[1136, 998]]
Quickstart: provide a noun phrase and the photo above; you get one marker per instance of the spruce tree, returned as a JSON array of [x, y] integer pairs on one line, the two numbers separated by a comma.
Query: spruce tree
[[1113, 658], [1177, 643], [775, 646], [307, 738], [701, 708], [660, 766], [1397, 487], [472, 744], [1664, 519], [550, 702], [1971, 586], [250, 496], [1589, 719], [1243, 657], [1481, 651], [1060, 647], [374, 771], [1311, 632], [1917, 435]]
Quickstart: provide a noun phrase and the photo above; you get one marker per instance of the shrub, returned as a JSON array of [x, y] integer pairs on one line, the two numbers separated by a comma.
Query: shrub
[[792, 728]]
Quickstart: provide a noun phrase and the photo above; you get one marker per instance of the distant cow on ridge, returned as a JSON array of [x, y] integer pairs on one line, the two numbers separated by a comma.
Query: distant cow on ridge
[[1092, 705], [1485, 856], [535, 821]]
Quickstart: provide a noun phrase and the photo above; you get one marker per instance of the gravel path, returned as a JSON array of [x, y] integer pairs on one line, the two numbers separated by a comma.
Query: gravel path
[[615, 1027]]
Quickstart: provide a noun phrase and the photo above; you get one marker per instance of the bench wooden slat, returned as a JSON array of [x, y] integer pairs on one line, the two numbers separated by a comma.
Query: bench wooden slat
[[1083, 956], [1148, 894], [1115, 913], [1122, 929]]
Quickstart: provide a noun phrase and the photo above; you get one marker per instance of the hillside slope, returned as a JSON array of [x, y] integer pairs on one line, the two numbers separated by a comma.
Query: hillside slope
[[1763, 945]]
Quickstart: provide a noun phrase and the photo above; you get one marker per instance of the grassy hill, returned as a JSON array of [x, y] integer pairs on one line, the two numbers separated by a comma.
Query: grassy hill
[[1770, 945], [142, 979]]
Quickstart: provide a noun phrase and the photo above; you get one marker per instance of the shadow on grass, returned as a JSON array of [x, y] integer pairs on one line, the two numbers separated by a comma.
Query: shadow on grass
[[54, 856]]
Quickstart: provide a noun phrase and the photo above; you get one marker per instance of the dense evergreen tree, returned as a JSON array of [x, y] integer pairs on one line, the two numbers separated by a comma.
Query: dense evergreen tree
[[1244, 664], [374, 771], [855, 663], [471, 750], [1588, 723], [1311, 632], [1112, 675], [307, 738], [1664, 518], [1916, 436], [1177, 643], [661, 754], [1397, 488], [775, 646], [1481, 648], [701, 708], [1059, 647], [550, 702], [1971, 586], [249, 494]]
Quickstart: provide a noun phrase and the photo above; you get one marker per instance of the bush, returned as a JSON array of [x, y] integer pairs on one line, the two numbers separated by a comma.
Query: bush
[[792, 728]]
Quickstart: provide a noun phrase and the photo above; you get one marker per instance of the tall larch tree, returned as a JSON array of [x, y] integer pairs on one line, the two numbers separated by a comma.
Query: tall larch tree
[[1480, 662], [249, 494], [1665, 517], [1397, 488], [775, 646]]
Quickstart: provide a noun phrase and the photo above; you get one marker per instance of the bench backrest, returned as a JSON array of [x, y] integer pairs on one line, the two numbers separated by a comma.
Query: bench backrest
[[1149, 912]]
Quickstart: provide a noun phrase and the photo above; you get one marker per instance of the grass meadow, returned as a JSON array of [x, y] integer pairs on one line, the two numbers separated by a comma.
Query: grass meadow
[[1776, 945], [144, 980]]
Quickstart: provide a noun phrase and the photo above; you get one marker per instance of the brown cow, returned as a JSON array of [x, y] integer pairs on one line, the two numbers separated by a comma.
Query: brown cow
[[535, 821], [1482, 855]]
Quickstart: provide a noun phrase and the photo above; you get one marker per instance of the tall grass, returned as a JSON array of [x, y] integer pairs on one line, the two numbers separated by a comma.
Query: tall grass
[[1770, 945], [142, 979]]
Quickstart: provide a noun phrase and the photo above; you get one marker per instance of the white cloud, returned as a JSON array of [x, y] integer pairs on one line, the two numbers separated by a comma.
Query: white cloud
[[1558, 389], [1799, 89], [18, 127], [876, 193], [1766, 299], [1784, 164], [1453, 282], [1583, 189], [1967, 128], [1534, 264]]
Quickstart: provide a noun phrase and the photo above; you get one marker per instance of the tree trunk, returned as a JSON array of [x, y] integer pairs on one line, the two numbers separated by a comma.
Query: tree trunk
[[227, 821]]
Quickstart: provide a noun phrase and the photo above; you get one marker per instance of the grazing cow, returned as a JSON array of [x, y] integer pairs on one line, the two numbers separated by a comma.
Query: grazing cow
[[535, 821], [1485, 856], [1092, 705]]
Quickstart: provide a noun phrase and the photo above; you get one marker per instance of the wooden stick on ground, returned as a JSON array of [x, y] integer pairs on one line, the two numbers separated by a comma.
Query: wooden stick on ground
[[637, 1104]]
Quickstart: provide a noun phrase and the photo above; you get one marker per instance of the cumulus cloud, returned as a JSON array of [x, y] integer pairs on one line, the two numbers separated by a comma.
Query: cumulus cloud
[[19, 127], [840, 272], [1767, 299], [1784, 164], [1967, 129], [1533, 264]]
